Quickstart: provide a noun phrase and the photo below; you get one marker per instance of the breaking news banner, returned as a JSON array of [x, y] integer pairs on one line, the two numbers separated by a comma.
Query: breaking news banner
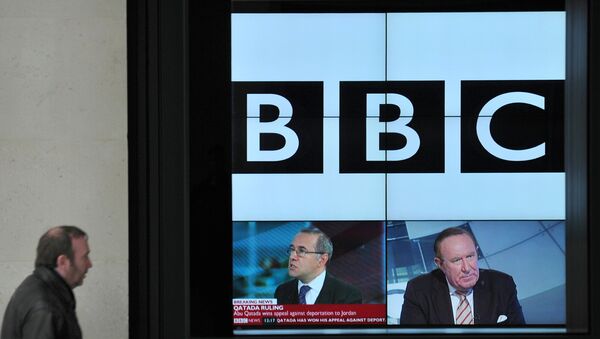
[[263, 312]]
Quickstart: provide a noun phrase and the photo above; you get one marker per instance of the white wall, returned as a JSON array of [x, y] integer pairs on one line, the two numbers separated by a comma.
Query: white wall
[[63, 145]]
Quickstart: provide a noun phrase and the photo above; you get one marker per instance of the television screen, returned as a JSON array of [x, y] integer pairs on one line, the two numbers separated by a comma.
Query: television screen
[[359, 136]]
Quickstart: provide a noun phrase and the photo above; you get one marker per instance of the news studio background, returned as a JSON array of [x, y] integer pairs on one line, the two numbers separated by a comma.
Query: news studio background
[[403, 124]]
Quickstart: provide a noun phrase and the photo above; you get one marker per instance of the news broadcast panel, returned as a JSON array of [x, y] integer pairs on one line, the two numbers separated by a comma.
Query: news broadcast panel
[[359, 138], [261, 265]]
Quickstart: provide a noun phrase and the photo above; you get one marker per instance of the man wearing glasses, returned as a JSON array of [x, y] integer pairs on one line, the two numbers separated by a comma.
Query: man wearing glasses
[[309, 254], [458, 292]]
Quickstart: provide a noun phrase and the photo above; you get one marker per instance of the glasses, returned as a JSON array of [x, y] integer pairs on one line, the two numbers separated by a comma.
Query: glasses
[[301, 252], [458, 260]]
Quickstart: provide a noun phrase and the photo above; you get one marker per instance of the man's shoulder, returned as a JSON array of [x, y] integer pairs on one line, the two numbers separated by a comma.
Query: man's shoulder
[[288, 285], [31, 299], [338, 291], [34, 293], [494, 276], [286, 293], [339, 283], [42, 290], [427, 280], [32, 285]]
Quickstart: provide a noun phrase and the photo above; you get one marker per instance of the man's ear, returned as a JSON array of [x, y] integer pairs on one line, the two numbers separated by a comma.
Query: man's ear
[[62, 261], [437, 261], [324, 258]]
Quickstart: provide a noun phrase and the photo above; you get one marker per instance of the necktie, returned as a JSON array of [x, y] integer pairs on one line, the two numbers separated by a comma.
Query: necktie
[[302, 295], [464, 316]]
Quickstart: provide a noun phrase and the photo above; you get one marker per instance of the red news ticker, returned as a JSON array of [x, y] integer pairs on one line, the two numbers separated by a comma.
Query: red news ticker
[[346, 314]]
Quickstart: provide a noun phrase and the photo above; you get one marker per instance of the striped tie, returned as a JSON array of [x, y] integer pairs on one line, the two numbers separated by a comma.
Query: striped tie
[[302, 296], [463, 312]]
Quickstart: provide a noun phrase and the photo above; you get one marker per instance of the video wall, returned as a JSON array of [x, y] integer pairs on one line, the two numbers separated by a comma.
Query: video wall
[[381, 130]]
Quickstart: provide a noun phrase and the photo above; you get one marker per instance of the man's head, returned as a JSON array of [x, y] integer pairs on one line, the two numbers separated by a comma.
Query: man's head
[[456, 256], [65, 249], [309, 253]]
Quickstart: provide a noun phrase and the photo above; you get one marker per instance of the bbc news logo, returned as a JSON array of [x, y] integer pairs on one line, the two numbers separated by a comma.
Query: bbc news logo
[[399, 126]]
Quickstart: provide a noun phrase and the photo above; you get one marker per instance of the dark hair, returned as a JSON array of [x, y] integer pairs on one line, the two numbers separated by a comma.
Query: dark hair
[[323, 242], [448, 232], [55, 242]]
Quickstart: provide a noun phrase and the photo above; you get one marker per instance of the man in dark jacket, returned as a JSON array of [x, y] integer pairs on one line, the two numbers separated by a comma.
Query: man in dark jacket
[[43, 306], [309, 254], [458, 292]]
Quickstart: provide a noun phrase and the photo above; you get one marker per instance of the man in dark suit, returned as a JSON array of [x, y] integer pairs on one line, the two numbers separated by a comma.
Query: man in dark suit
[[309, 254], [458, 292]]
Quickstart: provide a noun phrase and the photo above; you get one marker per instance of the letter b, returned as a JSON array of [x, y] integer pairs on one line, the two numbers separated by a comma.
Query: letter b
[[392, 127], [277, 127]]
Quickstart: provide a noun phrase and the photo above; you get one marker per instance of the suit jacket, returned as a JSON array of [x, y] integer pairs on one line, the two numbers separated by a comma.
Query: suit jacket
[[427, 300], [334, 291]]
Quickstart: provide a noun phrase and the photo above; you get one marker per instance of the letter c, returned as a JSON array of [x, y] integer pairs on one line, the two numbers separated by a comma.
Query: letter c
[[485, 118]]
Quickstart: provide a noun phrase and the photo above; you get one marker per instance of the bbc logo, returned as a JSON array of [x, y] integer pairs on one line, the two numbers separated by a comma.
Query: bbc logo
[[398, 126]]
